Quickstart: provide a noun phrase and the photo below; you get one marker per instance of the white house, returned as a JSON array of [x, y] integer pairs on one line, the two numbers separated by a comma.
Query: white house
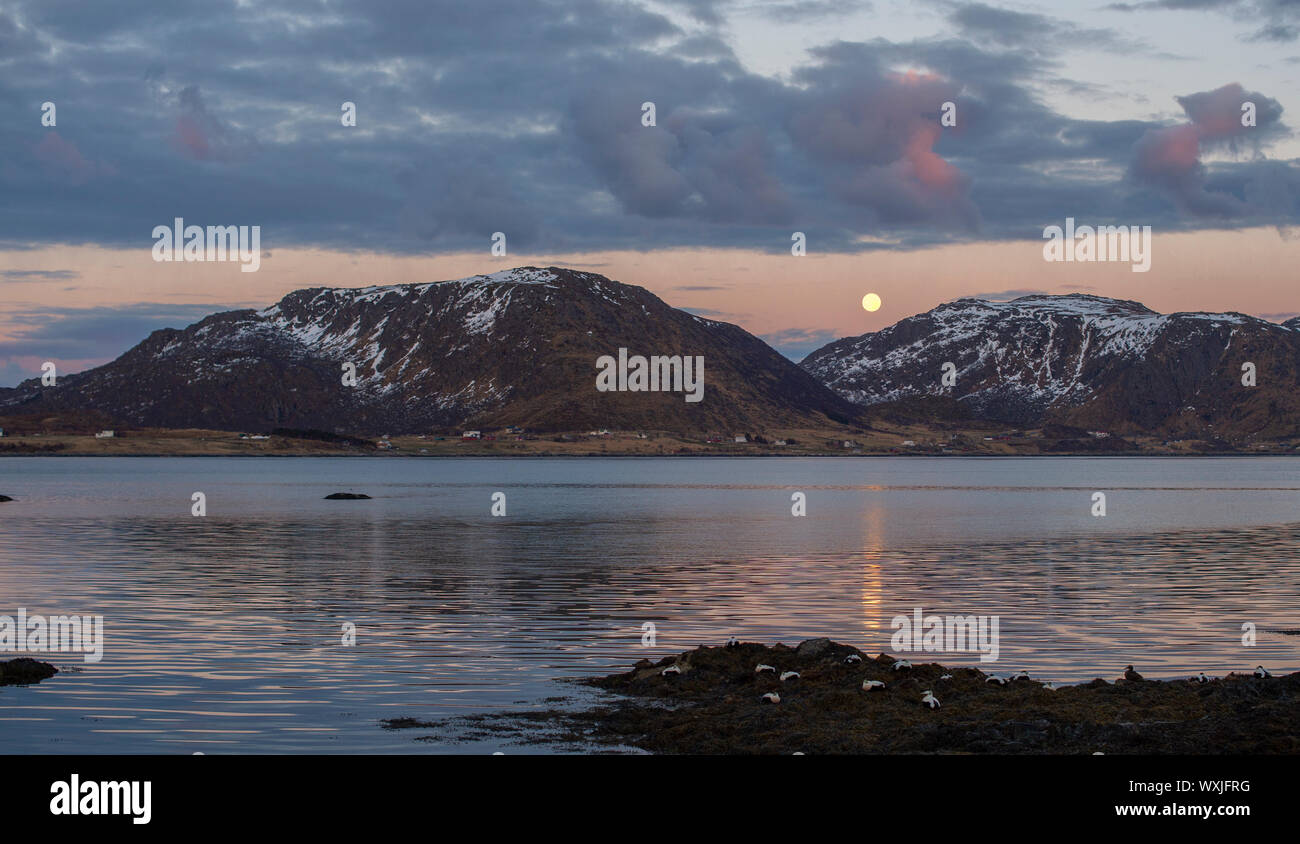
[[472, 435], [104, 435], [742, 439]]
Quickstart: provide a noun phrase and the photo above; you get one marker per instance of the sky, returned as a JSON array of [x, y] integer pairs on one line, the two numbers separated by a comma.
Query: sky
[[526, 117]]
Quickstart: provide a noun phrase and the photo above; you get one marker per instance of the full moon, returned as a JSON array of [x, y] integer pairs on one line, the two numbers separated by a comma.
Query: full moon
[[871, 302]]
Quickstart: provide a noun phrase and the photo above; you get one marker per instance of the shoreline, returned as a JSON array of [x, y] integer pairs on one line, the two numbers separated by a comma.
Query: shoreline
[[636, 456], [711, 701], [406, 454]]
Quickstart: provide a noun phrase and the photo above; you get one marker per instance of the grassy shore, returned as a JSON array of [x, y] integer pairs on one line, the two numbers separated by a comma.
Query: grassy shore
[[715, 705]]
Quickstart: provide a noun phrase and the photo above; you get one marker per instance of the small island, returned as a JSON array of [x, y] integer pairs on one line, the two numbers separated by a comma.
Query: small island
[[25, 671]]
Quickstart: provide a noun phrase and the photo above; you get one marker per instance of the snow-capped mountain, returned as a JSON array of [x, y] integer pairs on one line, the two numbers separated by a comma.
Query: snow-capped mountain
[[517, 347], [1082, 360]]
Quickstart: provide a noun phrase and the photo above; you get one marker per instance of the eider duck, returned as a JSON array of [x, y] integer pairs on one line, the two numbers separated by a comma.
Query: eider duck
[[1130, 674], [930, 700]]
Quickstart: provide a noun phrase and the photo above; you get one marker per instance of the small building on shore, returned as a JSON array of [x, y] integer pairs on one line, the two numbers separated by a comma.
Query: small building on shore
[[104, 435]]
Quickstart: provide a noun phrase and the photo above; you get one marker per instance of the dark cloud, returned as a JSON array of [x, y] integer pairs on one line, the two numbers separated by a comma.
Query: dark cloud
[[1024, 30], [201, 135], [524, 116], [86, 336], [1007, 295], [37, 275], [70, 332], [798, 343], [1277, 19]]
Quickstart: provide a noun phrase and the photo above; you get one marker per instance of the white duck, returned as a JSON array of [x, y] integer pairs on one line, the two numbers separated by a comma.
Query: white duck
[[1262, 673], [928, 699], [772, 697], [789, 675], [869, 685], [761, 668], [902, 664], [672, 669], [852, 659]]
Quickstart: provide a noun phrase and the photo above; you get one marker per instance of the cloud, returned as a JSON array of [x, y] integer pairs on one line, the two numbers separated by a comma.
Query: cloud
[[532, 126], [1169, 157], [798, 343], [84, 336], [1277, 19], [30, 275], [1007, 295], [201, 135], [1024, 30], [62, 160]]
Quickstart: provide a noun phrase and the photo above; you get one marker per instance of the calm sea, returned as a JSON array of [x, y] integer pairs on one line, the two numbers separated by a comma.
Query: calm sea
[[224, 633]]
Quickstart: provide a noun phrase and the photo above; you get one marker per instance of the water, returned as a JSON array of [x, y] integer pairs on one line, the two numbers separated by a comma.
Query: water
[[223, 633]]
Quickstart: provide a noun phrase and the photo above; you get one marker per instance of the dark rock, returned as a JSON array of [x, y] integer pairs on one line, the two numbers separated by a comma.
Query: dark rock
[[715, 707], [347, 496], [5, 498], [812, 647], [25, 671]]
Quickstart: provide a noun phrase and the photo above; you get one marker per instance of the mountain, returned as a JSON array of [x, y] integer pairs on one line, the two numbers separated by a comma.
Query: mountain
[[1084, 361], [517, 347]]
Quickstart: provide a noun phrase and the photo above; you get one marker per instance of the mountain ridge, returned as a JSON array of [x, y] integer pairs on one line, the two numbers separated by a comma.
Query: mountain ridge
[[1081, 360], [514, 347]]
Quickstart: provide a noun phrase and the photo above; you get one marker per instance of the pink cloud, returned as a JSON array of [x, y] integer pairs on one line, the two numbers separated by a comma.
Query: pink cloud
[[61, 158]]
